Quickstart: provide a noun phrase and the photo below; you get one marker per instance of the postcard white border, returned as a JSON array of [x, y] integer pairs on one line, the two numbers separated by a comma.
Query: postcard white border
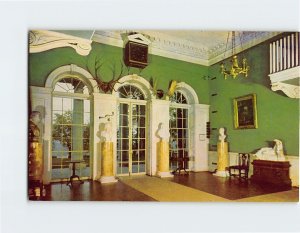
[[19, 215]]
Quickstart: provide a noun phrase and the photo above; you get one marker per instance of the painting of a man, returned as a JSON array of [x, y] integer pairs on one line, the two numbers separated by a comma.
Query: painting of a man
[[245, 112]]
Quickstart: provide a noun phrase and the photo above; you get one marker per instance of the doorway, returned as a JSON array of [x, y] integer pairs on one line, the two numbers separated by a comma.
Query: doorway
[[131, 139], [131, 132]]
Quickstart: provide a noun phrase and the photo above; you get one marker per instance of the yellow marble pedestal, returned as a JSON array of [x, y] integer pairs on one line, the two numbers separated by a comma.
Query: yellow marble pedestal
[[223, 159], [163, 169], [107, 163], [35, 169]]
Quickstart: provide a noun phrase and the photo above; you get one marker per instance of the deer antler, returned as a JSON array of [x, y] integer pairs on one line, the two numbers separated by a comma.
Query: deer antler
[[107, 86]]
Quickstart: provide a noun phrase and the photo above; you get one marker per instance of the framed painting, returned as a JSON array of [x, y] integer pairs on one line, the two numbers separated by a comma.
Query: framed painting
[[245, 112]]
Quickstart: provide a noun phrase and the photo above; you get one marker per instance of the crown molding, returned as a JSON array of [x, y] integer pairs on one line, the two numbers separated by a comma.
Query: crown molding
[[250, 39], [182, 49], [161, 47]]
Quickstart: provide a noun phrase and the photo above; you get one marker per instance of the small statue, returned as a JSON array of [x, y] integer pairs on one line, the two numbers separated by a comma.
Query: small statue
[[106, 134], [34, 131], [35, 157], [162, 132], [222, 135], [273, 154]]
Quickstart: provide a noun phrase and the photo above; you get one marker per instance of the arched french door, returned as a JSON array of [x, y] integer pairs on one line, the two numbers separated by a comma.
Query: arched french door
[[131, 131], [179, 128], [70, 127]]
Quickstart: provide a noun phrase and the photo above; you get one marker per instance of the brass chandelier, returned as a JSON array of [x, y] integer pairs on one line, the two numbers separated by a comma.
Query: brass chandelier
[[235, 69]]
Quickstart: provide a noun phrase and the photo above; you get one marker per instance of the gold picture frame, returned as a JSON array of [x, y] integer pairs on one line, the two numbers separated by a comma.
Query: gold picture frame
[[245, 112]]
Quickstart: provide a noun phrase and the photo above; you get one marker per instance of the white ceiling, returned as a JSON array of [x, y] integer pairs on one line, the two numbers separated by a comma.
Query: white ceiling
[[201, 47]]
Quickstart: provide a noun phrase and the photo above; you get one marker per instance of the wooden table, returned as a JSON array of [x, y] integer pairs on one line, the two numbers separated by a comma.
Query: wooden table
[[182, 164], [73, 162]]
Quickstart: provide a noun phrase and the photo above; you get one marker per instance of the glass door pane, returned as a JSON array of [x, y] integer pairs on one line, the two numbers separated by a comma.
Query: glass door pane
[[70, 136], [178, 135], [123, 139], [131, 139], [138, 138]]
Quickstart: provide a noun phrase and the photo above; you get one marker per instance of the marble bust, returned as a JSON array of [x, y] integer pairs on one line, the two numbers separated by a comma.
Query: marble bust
[[162, 132], [106, 133], [222, 135]]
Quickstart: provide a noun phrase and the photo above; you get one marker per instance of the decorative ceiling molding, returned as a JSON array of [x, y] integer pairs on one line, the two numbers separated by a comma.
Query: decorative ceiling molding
[[41, 40], [163, 44], [250, 39], [175, 49]]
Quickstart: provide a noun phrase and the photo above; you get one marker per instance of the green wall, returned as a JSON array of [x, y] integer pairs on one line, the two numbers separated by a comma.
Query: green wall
[[277, 114], [161, 69]]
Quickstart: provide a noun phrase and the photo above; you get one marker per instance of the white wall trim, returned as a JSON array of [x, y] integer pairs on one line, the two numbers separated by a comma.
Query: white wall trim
[[184, 50], [285, 75], [188, 91], [73, 70], [137, 81]]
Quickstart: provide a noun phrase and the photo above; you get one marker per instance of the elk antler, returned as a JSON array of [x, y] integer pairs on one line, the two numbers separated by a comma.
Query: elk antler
[[107, 86]]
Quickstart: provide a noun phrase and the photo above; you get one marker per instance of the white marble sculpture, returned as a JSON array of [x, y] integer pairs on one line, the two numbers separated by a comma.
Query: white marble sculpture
[[273, 154], [222, 135], [106, 133], [162, 132]]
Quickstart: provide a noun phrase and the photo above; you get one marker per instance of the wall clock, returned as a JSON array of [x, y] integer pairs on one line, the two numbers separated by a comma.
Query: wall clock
[[136, 54]]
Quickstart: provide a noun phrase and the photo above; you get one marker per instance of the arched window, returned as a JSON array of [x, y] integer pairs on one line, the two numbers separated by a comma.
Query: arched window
[[130, 92], [131, 131], [179, 130], [178, 98], [70, 127], [71, 85]]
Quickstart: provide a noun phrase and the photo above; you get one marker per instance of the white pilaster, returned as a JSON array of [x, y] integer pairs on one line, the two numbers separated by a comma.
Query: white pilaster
[[103, 104], [199, 141], [158, 113]]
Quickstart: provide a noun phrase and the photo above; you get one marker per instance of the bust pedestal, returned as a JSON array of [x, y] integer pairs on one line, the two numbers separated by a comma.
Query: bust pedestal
[[271, 172], [163, 169], [35, 169], [107, 163], [222, 160]]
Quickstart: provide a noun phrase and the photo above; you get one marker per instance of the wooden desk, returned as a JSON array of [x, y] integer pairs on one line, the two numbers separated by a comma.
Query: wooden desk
[[73, 162], [275, 173]]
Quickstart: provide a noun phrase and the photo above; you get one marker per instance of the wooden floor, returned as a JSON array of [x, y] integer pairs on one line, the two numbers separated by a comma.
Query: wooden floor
[[231, 190], [93, 191]]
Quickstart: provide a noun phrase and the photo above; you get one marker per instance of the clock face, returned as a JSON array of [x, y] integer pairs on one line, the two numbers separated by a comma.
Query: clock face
[[138, 52], [136, 55]]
